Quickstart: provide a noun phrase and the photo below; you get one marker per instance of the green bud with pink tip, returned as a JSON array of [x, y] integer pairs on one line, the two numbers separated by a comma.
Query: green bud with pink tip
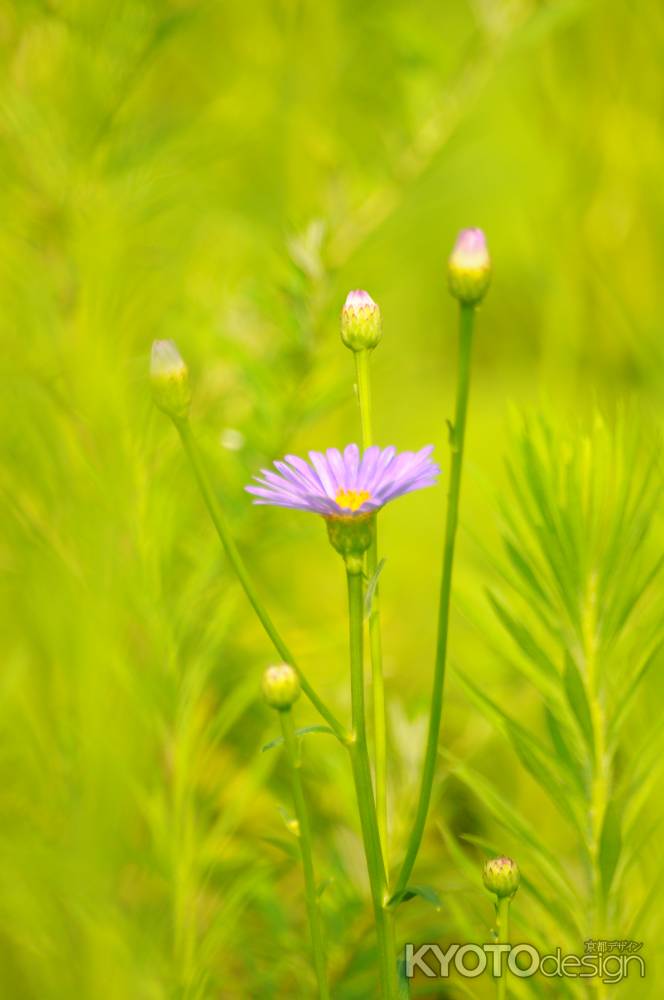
[[361, 326], [281, 687], [169, 377], [501, 876], [469, 267]]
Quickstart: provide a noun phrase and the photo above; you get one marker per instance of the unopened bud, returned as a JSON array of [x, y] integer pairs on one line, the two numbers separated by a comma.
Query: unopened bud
[[501, 876], [361, 327], [169, 376], [281, 687], [469, 267]]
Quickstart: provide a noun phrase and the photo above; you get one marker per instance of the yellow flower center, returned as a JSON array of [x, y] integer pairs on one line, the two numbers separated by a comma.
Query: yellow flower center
[[352, 499]]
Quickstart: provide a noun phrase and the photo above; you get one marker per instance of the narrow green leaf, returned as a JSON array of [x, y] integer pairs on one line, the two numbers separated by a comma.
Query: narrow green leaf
[[424, 891], [610, 846], [653, 898], [323, 886], [505, 813], [577, 698], [525, 571], [289, 847], [634, 593], [627, 696], [523, 638], [371, 588], [304, 731], [573, 765], [532, 754]]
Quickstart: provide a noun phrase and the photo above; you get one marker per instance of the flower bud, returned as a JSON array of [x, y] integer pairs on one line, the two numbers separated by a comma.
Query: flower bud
[[469, 267], [281, 687], [169, 376], [501, 876], [360, 322]]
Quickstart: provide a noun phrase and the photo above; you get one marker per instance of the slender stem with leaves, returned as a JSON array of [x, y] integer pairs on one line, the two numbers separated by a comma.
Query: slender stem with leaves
[[226, 538], [457, 433], [355, 741]]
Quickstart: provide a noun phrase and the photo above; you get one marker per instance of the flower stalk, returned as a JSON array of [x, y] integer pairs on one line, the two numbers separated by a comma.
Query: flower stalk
[[375, 641], [363, 786], [457, 436], [348, 489], [502, 877], [502, 937], [226, 538]]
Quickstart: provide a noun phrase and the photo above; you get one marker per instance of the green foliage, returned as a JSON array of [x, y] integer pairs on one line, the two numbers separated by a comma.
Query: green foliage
[[579, 601]]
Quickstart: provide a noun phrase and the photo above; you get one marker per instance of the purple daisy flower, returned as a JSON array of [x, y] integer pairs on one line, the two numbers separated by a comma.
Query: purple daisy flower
[[345, 484]]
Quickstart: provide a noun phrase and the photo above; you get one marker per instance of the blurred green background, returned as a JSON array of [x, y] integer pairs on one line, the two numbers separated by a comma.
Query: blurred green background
[[223, 173]]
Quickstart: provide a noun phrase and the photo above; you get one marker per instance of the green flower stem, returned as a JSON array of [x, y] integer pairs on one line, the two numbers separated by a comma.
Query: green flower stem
[[219, 521], [503, 937], [364, 395], [375, 643], [363, 787], [457, 438], [304, 838]]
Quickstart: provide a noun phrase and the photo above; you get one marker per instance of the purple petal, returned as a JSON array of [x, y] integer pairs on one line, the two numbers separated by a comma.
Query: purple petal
[[352, 464], [293, 477], [337, 468], [383, 473], [367, 466], [324, 473], [304, 470]]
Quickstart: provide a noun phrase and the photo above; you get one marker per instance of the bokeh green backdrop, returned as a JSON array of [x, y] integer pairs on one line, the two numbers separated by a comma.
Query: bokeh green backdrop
[[222, 173]]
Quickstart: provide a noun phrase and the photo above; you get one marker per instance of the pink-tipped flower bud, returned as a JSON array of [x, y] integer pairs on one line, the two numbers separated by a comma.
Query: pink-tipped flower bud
[[501, 876], [169, 377], [469, 267], [361, 326], [281, 687]]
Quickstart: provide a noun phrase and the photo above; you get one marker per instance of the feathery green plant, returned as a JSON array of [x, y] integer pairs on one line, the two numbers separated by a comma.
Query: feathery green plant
[[578, 599]]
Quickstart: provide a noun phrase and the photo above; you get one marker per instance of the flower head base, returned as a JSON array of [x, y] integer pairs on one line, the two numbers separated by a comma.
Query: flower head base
[[281, 687], [351, 537], [169, 376], [501, 876], [346, 484], [360, 322], [469, 267]]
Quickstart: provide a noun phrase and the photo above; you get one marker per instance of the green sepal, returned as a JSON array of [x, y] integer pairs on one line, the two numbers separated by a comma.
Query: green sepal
[[351, 536]]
